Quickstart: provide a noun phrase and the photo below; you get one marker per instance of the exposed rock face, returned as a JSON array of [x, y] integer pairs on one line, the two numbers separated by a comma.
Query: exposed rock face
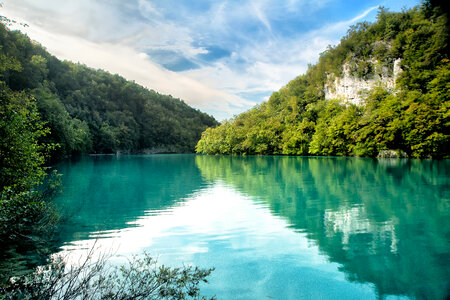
[[351, 88], [392, 154]]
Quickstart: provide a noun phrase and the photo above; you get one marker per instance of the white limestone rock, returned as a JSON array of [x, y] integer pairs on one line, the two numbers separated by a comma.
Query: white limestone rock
[[351, 89]]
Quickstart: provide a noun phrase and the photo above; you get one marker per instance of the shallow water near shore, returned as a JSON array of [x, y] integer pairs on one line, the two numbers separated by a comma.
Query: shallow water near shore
[[273, 227]]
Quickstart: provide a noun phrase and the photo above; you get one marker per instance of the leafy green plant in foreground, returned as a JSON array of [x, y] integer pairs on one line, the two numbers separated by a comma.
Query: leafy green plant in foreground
[[27, 217], [141, 278]]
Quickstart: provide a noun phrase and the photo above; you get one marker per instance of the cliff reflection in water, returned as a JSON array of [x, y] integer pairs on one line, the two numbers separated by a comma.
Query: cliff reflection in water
[[384, 221]]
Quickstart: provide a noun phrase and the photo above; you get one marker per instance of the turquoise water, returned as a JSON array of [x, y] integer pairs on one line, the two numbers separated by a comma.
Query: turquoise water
[[273, 227]]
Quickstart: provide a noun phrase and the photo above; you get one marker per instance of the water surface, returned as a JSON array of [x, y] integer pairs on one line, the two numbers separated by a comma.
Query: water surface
[[273, 227]]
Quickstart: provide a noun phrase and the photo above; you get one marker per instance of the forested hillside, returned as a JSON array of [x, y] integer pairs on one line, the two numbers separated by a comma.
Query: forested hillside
[[411, 119], [92, 111]]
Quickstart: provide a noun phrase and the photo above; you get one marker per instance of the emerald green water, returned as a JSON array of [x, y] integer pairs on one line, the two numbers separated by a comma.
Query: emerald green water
[[273, 227]]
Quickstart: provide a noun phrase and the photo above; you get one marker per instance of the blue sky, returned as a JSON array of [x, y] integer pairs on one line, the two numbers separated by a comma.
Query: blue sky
[[222, 57]]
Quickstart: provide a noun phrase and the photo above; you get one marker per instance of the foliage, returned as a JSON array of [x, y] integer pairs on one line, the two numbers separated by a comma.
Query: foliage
[[141, 278], [23, 211], [21, 156], [413, 118], [27, 217]]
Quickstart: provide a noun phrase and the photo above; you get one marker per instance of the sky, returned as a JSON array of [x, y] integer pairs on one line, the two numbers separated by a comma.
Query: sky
[[222, 57]]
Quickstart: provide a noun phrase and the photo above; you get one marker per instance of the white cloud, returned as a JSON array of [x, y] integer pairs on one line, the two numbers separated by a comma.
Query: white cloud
[[120, 36], [260, 15], [275, 62], [147, 9], [341, 26], [134, 65]]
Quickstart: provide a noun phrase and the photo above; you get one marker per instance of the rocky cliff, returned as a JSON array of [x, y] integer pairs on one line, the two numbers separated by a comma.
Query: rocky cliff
[[349, 87]]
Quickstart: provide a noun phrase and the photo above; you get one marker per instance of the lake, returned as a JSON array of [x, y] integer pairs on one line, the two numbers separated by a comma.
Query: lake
[[273, 227]]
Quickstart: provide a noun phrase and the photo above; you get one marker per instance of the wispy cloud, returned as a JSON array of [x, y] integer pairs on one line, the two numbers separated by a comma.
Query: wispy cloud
[[220, 56], [260, 15], [339, 26]]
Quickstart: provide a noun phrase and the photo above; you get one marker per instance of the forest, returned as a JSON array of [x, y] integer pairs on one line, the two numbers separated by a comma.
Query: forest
[[93, 111], [411, 120]]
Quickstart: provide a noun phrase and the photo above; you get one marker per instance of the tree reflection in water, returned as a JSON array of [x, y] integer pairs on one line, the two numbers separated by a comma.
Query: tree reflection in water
[[384, 221]]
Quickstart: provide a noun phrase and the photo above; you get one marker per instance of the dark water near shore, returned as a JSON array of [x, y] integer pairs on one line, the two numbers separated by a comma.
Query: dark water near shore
[[273, 227]]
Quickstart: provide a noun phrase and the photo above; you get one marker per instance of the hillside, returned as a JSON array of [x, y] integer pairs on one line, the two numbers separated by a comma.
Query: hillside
[[92, 111], [383, 90]]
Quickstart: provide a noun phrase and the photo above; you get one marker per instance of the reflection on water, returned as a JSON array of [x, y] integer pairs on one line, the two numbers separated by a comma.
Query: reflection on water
[[104, 193], [280, 227], [384, 221]]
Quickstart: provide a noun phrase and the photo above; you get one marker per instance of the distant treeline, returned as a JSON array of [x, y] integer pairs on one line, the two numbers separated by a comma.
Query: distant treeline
[[413, 119], [90, 110]]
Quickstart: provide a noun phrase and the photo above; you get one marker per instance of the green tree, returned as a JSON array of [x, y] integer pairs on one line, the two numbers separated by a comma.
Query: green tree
[[28, 220]]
